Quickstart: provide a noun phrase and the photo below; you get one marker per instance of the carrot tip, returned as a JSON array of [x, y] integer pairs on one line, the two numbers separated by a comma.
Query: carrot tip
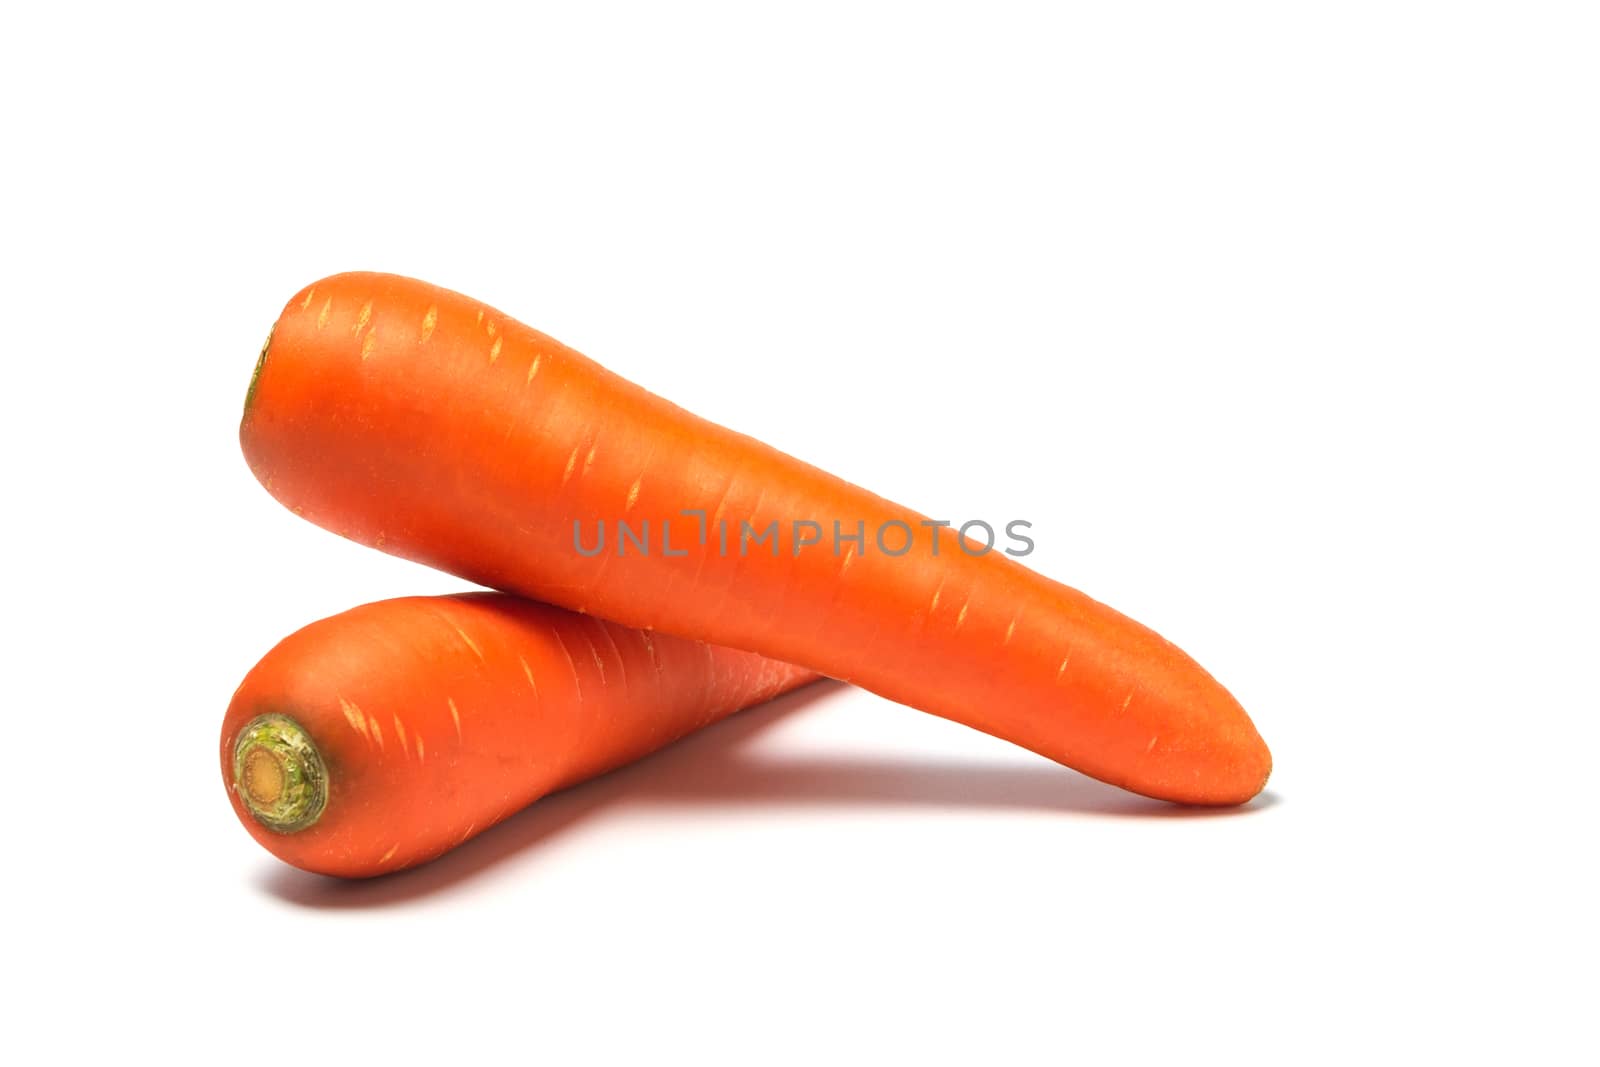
[[279, 774]]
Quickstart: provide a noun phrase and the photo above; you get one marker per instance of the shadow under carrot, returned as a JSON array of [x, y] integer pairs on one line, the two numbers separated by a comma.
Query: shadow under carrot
[[710, 769]]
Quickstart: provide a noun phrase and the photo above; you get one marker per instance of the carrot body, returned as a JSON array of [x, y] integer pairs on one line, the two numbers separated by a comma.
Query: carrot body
[[436, 717], [416, 420]]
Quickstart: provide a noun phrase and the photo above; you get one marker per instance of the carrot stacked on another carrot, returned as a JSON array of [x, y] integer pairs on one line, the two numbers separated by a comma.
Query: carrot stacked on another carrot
[[419, 421], [379, 738]]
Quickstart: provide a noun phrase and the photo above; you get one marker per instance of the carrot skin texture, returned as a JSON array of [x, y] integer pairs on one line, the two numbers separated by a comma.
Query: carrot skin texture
[[438, 717], [419, 421]]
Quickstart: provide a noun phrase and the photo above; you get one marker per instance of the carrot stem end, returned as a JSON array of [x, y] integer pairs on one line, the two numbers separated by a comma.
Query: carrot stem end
[[279, 774], [255, 375]]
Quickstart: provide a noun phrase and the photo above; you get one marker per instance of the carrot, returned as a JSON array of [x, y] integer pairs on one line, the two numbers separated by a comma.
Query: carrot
[[379, 738], [419, 421]]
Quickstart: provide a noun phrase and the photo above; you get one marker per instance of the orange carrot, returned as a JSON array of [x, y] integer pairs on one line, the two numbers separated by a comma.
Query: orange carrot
[[379, 738], [419, 421]]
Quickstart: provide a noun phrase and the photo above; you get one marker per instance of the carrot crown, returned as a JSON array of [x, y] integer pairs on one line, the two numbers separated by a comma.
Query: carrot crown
[[279, 774], [255, 375]]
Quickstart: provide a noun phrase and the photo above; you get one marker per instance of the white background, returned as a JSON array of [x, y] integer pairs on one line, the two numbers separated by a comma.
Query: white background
[[1278, 321]]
